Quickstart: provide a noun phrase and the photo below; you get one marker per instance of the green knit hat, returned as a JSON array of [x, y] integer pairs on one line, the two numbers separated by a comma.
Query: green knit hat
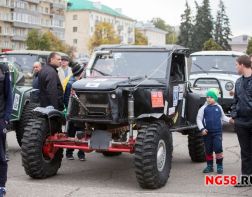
[[213, 93]]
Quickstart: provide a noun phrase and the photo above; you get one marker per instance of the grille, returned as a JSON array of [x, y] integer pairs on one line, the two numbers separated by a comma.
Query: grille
[[96, 103]]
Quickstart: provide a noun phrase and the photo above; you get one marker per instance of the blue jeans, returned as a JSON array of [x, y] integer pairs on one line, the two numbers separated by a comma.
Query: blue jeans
[[3, 162]]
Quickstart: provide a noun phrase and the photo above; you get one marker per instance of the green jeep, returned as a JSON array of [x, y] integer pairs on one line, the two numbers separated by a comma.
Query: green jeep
[[20, 63]]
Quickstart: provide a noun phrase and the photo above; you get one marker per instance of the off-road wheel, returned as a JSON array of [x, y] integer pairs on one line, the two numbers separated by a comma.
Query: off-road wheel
[[196, 147], [153, 155], [26, 116], [111, 154], [40, 159]]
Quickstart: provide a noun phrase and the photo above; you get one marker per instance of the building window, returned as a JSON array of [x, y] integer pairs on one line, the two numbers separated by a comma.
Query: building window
[[74, 29], [75, 41], [75, 17]]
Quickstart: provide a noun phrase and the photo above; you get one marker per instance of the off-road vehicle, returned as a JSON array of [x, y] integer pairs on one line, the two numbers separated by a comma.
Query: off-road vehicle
[[132, 100], [20, 63], [214, 69]]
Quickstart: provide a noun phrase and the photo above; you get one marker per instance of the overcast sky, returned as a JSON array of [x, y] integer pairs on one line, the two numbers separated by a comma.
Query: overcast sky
[[238, 11]]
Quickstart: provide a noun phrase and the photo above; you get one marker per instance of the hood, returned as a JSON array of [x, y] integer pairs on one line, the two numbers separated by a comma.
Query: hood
[[109, 83], [220, 76]]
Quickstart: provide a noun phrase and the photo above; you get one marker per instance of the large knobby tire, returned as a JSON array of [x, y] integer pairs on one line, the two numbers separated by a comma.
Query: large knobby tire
[[35, 162], [196, 147], [26, 116], [111, 154], [153, 155]]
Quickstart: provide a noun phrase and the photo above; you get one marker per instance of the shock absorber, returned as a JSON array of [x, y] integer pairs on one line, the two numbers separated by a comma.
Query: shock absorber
[[131, 114]]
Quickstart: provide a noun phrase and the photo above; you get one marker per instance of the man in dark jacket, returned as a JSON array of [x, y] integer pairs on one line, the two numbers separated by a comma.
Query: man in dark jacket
[[5, 113], [242, 112], [51, 91]]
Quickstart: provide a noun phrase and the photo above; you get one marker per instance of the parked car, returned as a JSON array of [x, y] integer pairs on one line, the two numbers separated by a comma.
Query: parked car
[[214, 69], [20, 63]]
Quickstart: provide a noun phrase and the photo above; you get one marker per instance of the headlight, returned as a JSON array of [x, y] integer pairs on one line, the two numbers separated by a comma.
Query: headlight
[[113, 96], [229, 86]]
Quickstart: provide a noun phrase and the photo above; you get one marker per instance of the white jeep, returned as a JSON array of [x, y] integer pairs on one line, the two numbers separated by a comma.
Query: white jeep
[[214, 69]]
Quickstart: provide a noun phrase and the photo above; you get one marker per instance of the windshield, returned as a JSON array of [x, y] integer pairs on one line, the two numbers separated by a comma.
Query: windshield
[[130, 64], [24, 60], [213, 63]]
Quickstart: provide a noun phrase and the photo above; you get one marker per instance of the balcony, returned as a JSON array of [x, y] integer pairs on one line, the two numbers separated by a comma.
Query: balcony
[[33, 1], [6, 17], [7, 5], [58, 17], [6, 34], [18, 38], [26, 25], [58, 5]]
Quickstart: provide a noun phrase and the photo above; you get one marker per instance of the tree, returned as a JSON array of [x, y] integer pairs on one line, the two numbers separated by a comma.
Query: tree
[[222, 30], [249, 47], [46, 41], [140, 39], [104, 34], [202, 30], [186, 26], [211, 45], [33, 40], [171, 36]]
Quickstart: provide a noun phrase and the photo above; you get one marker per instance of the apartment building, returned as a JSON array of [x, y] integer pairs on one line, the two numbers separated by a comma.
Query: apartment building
[[154, 35], [17, 17], [83, 15]]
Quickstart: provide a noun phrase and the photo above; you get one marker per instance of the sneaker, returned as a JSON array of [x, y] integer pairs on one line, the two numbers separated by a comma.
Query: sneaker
[[70, 157], [2, 191], [219, 169], [82, 158], [208, 169]]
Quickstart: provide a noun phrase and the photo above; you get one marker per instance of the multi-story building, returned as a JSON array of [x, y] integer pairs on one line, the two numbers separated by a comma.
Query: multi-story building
[[83, 15], [17, 17], [154, 35]]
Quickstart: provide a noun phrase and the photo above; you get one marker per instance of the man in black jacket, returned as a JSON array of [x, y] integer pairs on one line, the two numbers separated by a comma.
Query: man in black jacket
[[51, 91], [5, 113], [242, 112]]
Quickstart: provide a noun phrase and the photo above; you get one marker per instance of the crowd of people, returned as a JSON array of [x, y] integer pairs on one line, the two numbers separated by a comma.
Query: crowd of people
[[54, 82]]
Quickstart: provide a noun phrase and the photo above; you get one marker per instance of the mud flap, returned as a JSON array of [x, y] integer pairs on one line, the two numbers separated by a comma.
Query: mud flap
[[100, 140]]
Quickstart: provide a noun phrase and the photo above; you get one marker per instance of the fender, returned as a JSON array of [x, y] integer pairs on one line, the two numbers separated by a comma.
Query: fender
[[54, 116], [157, 116], [49, 112]]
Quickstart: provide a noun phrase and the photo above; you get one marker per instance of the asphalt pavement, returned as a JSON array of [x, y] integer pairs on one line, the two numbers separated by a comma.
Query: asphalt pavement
[[101, 176]]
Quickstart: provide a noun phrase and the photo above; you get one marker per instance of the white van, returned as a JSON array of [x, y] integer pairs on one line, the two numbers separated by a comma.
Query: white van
[[214, 69]]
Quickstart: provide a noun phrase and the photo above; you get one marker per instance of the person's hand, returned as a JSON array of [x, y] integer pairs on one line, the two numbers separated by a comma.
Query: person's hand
[[231, 121], [204, 132]]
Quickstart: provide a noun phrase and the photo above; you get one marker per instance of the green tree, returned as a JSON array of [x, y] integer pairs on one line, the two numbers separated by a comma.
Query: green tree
[[33, 40], [222, 31], [202, 30], [186, 26], [104, 34], [171, 36], [140, 39], [249, 47], [46, 41], [211, 45]]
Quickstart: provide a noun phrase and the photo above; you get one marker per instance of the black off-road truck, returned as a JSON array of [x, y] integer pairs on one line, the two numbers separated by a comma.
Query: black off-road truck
[[132, 99]]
